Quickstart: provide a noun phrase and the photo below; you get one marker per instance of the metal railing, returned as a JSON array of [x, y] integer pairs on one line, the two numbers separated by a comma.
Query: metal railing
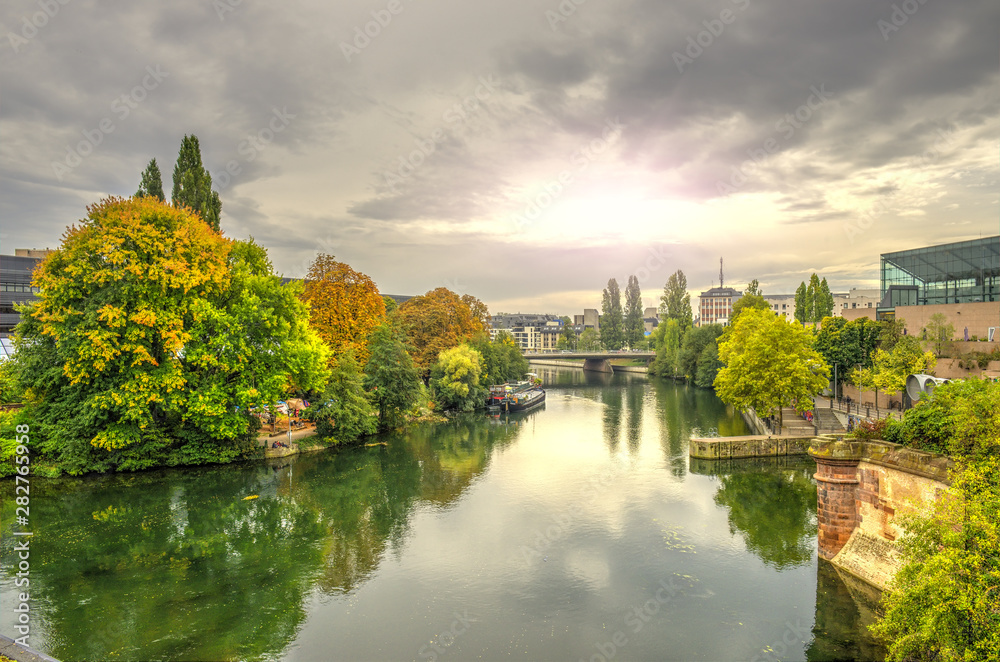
[[865, 409]]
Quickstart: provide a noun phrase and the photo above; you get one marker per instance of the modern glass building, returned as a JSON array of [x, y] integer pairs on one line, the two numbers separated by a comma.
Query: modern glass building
[[962, 272], [15, 288]]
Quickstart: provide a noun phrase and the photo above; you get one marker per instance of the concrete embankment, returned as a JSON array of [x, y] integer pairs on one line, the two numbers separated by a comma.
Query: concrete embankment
[[15, 651], [757, 445]]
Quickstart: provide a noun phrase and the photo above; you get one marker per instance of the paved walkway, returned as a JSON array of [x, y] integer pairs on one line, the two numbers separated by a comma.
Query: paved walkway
[[15, 651]]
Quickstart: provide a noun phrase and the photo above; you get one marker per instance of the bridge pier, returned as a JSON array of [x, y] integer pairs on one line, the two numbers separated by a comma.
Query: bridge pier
[[597, 365]]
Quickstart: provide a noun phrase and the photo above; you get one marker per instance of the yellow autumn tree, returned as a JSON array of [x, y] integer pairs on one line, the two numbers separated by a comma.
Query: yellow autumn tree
[[153, 338], [345, 306], [438, 321]]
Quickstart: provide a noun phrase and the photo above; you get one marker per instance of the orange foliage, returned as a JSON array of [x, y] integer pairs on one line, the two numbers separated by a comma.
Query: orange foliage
[[345, 306], [440, 320]]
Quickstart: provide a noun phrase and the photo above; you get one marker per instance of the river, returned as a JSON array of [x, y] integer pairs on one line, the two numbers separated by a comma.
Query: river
[[578, 531]]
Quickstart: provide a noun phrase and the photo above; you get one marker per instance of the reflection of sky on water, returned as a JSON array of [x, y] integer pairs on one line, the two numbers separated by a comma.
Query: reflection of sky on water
[[543, 531]]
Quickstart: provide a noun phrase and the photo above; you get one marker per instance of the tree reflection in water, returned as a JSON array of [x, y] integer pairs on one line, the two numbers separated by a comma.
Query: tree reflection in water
[[181, 565]]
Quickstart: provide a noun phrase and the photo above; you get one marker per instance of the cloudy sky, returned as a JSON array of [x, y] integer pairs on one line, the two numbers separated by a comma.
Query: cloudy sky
[[524, 151]]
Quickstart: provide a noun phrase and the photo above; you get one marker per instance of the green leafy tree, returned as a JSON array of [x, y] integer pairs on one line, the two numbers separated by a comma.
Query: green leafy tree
[[501, 359], [666, 339], [612, 322], [942, 603], [635, 332], [940, 332], [676, 302], [193, 184], [814, 296], [752, 298], [961, 419], [10, 390], [802, 305], [848, 345], [344, 411], [813, 302], [824, 301], [590, 341], [708, 366], [694, 343], [890, 331], [391, 378], [152, 339], [889, 370], [455, 379], [769, 364], [151, 183], [567, 337]]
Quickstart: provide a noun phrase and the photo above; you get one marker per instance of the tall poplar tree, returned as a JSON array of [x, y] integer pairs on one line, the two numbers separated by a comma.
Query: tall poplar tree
[[151, 183], [824, 301], [612, 322], [802, 304], [193, 183], [634, 330], [676, 302]]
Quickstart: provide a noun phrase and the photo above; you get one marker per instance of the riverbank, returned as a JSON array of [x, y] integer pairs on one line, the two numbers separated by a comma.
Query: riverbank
[[11, 650]]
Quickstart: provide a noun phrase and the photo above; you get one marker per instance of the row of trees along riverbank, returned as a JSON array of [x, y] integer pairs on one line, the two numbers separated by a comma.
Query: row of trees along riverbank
[[157, 341], [765, 362]]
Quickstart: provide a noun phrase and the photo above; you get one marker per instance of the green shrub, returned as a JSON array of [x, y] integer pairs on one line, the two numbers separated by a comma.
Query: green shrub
[[886, 429], [960, 419]]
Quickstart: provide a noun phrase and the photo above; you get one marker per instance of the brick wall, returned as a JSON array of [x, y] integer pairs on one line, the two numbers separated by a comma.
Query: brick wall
[[837, 512]]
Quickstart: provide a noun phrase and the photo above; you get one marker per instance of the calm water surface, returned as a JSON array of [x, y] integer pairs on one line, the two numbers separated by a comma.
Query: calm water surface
[[578, 531]]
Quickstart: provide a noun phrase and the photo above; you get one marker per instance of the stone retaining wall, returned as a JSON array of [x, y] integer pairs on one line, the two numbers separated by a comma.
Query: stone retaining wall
[[861, 488], [722, 448]]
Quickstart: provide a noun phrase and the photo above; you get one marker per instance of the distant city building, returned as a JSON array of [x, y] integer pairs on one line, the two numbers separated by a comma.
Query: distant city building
[[652, 311], [15, 285], [532, 333], [715, 306], [783, 305], [400, 299]]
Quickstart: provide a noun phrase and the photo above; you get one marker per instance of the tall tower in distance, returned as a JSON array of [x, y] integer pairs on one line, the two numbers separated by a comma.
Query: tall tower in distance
[[721, 281]]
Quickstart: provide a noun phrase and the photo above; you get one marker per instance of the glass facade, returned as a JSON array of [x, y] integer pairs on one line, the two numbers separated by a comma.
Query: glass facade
[[963, 272]]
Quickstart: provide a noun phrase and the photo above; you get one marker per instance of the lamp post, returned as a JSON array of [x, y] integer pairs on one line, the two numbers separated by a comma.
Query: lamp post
[[836, 394]]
